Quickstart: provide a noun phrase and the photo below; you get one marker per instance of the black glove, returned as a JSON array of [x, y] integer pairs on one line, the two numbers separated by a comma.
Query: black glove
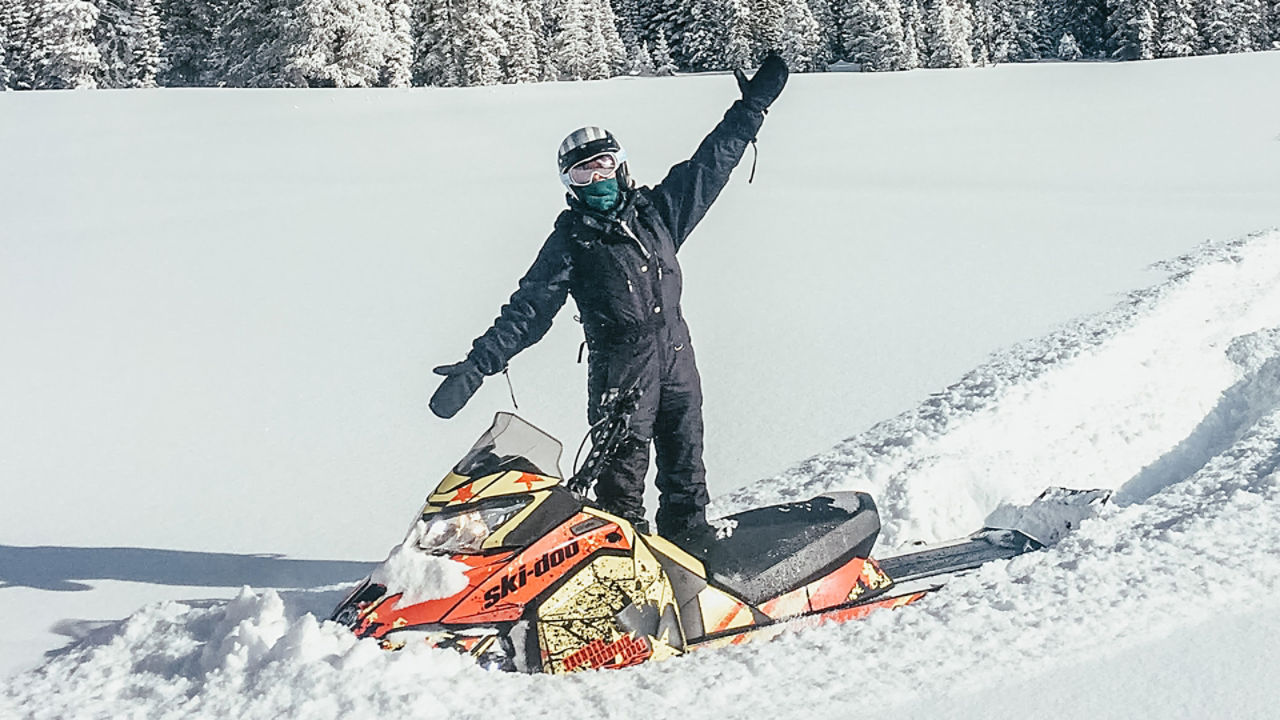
[[461, 380], [760, 91]]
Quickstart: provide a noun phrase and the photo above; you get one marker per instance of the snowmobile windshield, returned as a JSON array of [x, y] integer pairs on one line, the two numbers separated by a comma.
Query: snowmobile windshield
[[512, 444]]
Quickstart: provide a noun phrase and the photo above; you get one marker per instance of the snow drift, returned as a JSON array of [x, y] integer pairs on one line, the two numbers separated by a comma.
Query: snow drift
[[1172, 398]]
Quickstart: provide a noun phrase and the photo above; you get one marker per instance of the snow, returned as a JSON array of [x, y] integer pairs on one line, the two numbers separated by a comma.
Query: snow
[[419, 576], [222, 349]]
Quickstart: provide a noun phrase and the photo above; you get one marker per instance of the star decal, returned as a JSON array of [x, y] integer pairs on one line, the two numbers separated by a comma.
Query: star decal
[[464, 494], [528, 480]]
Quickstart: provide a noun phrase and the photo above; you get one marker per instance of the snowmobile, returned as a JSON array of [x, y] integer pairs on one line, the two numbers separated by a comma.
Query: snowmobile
[[555, 585]]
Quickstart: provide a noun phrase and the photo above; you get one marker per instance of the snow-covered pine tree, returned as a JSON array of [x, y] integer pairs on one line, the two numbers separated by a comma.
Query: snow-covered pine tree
[[1085, 20], [872, 34], [987, 37], [1024, 21], [187, 50], [1231, 26], [146, 57], [1005, 30], [128, 39], [641, 62], [1133, 29], [4, 58], [64, 54], [1068, 48], [521, 64], [437, 47], [611, 40], [662, 63], [766, 27], [1250, 18], [337, 43], [251, 43], [948, 30], [1273, 21], [15, 45], [1179, 34], [825, 13], [803, 46], [397, 68], [483, 47], [672, 17], [585, 42], [912, 35], [717, 38]]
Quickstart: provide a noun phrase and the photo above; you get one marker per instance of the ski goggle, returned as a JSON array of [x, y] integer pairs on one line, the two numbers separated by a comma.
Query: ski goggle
[[599, 167]]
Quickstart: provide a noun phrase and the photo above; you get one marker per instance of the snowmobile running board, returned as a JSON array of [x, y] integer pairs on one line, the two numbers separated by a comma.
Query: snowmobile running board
[[939, 561], [915, 575]]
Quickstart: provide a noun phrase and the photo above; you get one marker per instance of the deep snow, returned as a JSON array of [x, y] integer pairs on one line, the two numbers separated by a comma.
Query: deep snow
[[1155, 576], [222, 346]]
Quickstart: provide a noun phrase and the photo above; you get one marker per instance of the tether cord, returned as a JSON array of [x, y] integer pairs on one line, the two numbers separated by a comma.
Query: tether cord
[[512, 388]]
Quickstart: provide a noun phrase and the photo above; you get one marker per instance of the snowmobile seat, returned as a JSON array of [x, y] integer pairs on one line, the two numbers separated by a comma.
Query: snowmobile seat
[[772, 550]]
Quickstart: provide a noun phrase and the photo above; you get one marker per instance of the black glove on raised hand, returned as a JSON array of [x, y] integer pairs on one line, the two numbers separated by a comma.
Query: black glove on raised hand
[[761, 90], [461, 380]]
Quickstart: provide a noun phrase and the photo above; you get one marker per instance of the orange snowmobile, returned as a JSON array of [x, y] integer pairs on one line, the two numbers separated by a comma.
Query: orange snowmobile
[[555, 585]]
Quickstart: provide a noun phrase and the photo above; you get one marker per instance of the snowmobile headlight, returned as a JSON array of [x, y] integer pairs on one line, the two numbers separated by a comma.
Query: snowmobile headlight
[[463, 533]]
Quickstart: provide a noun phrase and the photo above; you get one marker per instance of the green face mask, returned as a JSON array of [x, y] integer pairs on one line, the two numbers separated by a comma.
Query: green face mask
[[601, 195]]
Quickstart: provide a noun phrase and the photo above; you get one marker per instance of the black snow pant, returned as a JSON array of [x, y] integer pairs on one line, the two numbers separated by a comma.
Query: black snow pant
[[661, 364]]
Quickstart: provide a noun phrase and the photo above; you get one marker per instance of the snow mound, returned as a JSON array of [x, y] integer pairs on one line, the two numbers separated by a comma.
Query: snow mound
[[418, 575], [1131, 399]]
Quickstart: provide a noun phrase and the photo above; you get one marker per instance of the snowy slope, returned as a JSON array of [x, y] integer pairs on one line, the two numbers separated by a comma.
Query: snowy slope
[[1175, 392]]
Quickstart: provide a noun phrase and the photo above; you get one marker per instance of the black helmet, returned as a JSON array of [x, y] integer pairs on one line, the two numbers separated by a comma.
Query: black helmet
[[588, 142]]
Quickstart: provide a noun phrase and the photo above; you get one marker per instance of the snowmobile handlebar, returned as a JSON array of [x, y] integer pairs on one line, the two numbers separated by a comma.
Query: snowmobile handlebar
[[607, 437]]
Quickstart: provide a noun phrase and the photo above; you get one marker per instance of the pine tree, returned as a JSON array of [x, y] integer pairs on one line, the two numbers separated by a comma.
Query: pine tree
[[62, 45], [146, 57], [912, 35], [1179, 34], [397, 69], [15, 45], [802, 44], [717, 37], [483, 48], [437, 49], [128, 39], [641, 62], [1068, 48], [4, 58], [337, 43], [521, 64], [1133, 29], [662, 62], [948, 29], [767, 25], [585, 44], [872, 34], [825, 13], [251, 44], [1085, 20], [1274, 22], [187, 52], [1231, 26]]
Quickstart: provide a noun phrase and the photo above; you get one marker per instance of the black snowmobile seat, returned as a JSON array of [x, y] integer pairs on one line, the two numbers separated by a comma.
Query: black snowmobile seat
[[772, 550]]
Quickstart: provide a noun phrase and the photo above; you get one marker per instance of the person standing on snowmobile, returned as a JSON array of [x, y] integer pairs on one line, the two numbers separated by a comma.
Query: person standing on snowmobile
[[614, 249]]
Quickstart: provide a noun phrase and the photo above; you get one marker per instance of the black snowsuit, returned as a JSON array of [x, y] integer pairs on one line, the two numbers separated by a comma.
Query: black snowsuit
[[622, 271]]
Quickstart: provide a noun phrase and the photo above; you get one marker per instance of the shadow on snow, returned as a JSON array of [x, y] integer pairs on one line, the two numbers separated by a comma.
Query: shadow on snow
[[69, 568]]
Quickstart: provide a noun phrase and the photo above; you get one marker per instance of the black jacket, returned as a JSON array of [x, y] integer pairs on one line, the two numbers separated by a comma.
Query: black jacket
[[621, 267]]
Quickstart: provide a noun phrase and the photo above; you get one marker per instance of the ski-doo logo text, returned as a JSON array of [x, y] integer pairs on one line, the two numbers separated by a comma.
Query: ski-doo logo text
[[517, 578]]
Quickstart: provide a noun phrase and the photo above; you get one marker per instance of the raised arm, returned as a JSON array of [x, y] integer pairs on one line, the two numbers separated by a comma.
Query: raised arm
[[523, 321], [684, 196]]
